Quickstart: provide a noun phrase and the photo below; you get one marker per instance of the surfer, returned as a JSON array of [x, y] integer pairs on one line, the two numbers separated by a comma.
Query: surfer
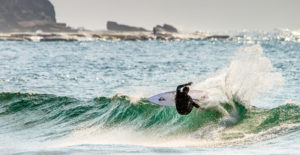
[[184, 102]]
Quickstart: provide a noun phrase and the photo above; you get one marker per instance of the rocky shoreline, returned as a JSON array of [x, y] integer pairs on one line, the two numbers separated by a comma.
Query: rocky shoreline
[[106, 36], [31, 20]]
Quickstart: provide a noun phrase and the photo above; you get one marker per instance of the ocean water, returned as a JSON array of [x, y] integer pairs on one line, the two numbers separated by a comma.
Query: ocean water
[[91, 97]]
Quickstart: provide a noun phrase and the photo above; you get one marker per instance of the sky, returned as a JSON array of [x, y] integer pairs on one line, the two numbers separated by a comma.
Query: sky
[[186, 15]]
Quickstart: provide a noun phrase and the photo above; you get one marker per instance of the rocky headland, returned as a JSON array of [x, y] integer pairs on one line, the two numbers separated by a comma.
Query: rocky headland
[[29, 16]]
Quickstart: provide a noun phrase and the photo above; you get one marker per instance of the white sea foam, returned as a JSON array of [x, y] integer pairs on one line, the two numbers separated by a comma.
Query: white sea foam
[[249, 75], [135, 94]]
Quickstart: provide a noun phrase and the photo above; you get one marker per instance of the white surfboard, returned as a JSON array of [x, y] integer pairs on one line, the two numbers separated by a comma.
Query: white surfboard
[[168, 98]]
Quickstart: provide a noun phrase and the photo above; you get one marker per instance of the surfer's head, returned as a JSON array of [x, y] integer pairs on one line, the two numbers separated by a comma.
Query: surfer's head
[[186, 89]]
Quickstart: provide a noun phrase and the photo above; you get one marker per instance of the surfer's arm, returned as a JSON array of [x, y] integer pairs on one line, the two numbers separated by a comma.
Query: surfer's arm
[[196, 105], [183, 85], [179, 87], [193, 103]]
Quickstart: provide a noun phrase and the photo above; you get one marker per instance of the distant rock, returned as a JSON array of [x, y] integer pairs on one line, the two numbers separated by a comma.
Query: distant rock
[[114, 26], [29, 15], [158, 30], [217, 37], [164, 29], [169, 28], [58, 38]]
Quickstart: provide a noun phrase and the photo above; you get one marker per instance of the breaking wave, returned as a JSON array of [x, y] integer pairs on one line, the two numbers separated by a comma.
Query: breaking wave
[[228, 118]]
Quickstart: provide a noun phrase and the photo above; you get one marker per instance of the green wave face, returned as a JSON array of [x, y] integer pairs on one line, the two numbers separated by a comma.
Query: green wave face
[[58, 116]]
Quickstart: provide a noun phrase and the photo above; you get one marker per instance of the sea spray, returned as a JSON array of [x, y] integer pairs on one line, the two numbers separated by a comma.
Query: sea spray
[[249, 75]]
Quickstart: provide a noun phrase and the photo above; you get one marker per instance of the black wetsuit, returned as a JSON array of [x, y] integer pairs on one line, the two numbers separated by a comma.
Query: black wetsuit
[[184, 103]]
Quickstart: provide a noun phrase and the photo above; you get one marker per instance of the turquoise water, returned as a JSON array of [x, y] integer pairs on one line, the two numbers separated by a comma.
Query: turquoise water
[[90, 97]]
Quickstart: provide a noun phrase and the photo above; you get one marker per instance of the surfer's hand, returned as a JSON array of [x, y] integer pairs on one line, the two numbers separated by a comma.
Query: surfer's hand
[[190, 83]]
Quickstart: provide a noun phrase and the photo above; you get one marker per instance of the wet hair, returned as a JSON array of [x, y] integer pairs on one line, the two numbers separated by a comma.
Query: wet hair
[[186, 89]]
